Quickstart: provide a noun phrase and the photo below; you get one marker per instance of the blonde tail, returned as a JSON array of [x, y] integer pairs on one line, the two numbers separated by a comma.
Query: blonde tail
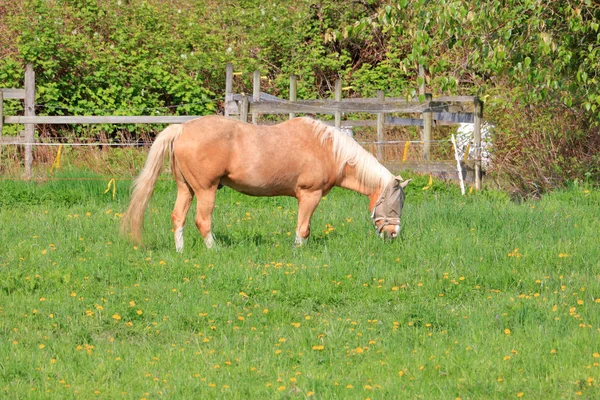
[[143, 185]]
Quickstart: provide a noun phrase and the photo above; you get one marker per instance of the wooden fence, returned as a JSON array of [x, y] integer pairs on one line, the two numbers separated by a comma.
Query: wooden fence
[[440, 110]]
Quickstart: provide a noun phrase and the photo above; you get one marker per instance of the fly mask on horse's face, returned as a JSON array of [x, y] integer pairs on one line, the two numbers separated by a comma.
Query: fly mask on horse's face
[[388, 208]]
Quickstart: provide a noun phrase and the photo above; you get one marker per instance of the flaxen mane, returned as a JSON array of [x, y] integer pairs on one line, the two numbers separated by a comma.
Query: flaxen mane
[[348, 152]]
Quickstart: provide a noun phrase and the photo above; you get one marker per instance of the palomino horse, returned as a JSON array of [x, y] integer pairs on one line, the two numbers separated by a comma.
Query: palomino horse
[[302, 158]]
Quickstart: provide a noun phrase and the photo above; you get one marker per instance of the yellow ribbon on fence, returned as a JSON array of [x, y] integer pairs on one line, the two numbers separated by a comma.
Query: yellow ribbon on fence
[[112, 183], [429, 183], [56, 163], [405, 154], [467, 151]]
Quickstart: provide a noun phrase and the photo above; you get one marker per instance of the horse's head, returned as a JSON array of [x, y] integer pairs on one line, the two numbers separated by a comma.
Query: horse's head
[[388, 209]]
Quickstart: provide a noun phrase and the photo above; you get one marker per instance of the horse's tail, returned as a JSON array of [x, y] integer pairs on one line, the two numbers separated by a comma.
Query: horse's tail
[[143, 185]]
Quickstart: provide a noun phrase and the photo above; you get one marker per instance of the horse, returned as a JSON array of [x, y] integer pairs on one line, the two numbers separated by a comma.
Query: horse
[[302, 157]]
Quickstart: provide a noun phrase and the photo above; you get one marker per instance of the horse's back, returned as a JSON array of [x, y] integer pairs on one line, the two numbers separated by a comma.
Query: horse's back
[[257, 160]]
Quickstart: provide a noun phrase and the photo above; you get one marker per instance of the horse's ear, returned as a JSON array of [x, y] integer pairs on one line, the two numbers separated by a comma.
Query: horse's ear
[[404, 184]]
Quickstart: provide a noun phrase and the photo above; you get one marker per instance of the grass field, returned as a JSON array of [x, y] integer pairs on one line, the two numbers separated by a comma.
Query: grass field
[[479, 298]]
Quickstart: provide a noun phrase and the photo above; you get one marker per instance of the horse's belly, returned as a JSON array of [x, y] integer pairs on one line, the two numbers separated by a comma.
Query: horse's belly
[[259, 188]]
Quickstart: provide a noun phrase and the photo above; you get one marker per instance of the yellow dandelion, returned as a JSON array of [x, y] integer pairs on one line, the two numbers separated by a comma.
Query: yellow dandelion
[[42, 345], [116, 317], [281, 388], [318, 347], [507, 331]]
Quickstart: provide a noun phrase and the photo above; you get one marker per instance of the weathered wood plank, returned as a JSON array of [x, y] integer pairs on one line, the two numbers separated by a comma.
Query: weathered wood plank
[[427, 128], [331, 107], [293, 91], [477, 138], [29, 111], [177, 119], [338, 98], [229, 90], [10, 93], [453, 117], [12, 139], [255, 94]]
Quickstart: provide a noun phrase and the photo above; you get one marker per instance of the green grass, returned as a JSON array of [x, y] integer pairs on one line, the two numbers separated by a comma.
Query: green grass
[[451, 309]]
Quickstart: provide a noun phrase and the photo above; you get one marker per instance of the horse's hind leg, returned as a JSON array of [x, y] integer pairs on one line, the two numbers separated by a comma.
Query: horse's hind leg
[[182, 205]]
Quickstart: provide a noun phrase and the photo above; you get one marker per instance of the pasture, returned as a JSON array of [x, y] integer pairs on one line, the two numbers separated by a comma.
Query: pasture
[[479, 297]]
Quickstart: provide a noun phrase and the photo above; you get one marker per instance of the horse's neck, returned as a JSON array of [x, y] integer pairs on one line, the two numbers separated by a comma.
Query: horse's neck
[[349, 180]]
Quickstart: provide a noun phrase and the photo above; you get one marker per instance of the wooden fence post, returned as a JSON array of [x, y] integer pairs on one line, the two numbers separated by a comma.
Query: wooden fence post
[[477, 116], [293, 91], [228, 87], [255, 94], [427, 126], [380, 122], [244, 109], [338, 97], [29, 111]]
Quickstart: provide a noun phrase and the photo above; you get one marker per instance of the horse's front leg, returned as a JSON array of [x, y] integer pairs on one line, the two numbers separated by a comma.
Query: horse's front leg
[[205, 203], [307, 204]]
